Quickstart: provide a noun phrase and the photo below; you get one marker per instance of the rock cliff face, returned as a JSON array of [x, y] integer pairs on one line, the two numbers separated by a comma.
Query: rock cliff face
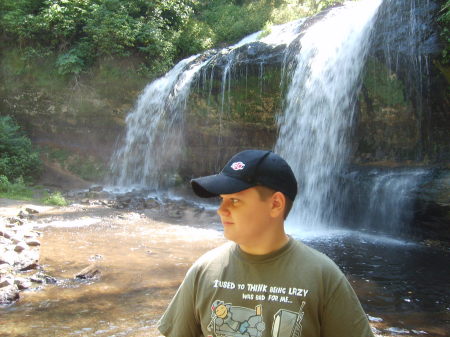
[[81, 119], [222, 121], [403, 105]]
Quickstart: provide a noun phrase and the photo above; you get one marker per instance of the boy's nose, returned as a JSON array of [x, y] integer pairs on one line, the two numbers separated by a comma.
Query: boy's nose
[[223, 209]]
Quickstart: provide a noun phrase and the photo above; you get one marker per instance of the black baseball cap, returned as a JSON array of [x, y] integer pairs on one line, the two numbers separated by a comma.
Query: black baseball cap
[[247, 169]]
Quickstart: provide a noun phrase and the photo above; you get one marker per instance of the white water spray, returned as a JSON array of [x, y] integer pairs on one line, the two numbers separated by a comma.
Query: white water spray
[[154, 131], [320, 107], [391, 200], [149, 156]]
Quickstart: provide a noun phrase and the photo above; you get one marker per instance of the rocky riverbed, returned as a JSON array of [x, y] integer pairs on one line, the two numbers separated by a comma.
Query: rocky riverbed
[[19, 254], [20, 238], [108, 264]]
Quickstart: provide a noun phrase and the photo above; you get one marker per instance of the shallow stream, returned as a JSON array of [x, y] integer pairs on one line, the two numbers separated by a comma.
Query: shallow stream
[[402, 286]]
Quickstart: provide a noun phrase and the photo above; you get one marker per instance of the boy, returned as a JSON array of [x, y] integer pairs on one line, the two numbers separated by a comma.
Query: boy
[[262, 282]]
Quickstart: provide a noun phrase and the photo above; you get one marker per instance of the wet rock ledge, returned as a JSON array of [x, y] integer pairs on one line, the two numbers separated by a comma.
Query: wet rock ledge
[[19, 256]]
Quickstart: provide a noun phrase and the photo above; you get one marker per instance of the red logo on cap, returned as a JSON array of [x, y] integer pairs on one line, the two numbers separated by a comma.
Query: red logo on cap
[[238, 166]]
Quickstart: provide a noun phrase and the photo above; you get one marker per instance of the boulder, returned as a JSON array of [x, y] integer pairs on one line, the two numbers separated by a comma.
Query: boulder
[[137, 203], [31, 210], [21, 246], [33, 243], [97, 195], [96, 188], [6, 281], [42, 278], [27, 260], [22, 283], [5, 269], [9, 294], [151, 203], [89, 272], [6, 234], [15, 220]]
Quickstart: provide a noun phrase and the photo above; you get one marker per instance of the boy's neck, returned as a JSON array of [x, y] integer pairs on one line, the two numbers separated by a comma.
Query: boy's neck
[[267, 247]]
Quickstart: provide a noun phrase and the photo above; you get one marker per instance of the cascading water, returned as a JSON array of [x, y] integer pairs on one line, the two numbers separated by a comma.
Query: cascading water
[[151, 148], [232, 63], [391, 199], [381, 200], [322, 74], [320, 105], [151, 151]]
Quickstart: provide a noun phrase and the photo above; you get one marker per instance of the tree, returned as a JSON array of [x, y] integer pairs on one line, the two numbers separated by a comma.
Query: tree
[[17, 157]]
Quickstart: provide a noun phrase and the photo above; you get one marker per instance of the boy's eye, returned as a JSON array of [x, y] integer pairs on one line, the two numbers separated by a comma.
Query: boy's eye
[[232, 201]]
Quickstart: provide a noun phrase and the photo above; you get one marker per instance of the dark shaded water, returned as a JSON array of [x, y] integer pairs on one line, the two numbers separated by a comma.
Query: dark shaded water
[[402, 286]]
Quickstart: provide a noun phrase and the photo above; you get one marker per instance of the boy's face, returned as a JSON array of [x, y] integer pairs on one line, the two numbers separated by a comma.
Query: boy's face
[[245, 216]]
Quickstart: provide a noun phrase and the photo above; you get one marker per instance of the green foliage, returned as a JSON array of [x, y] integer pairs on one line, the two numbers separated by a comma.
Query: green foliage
[[289, 10], [30, 67], [78, 33], [231, 22], [382, 85], [17, 157], [18, 190], [71, 62], [4, 182], [15, 190], [444, 21], [56, 199], [196, 37], [86, 167]]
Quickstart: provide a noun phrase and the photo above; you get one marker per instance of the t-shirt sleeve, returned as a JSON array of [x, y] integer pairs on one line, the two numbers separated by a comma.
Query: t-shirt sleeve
[[180, 318], [343, 314]]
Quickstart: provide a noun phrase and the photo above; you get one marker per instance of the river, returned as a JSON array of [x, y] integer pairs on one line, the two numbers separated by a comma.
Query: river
[[143, 256]]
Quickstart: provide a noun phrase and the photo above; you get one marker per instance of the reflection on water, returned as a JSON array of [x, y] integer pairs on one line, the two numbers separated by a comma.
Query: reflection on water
[[402, 286]]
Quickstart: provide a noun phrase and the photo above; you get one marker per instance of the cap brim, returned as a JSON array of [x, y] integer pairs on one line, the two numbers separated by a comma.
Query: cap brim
[[215, 185]]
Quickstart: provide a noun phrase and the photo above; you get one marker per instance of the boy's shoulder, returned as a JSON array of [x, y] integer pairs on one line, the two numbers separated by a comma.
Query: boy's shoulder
[[297, 250], [316, 260], [218, 254]]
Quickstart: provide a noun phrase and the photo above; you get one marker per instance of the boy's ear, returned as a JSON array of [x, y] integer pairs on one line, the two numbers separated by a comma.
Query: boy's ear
[[278, 204]]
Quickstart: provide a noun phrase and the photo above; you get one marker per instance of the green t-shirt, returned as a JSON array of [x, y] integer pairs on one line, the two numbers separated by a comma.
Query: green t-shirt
[[293, 292]]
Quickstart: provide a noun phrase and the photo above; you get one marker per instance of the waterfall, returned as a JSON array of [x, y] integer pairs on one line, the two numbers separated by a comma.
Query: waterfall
[[390, 201], [149, 155], [321, 62], [315, 127]]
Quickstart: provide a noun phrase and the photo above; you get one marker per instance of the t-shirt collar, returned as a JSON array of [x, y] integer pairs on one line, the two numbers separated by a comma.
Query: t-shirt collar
[[266, 257]]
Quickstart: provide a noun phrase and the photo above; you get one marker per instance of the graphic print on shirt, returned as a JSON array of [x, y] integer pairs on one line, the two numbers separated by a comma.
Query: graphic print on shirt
[[235, 321], [287, 323]]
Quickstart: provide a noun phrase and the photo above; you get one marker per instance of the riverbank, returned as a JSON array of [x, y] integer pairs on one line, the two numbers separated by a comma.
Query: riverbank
[[141, 256], [140, 262], [19, 250]]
